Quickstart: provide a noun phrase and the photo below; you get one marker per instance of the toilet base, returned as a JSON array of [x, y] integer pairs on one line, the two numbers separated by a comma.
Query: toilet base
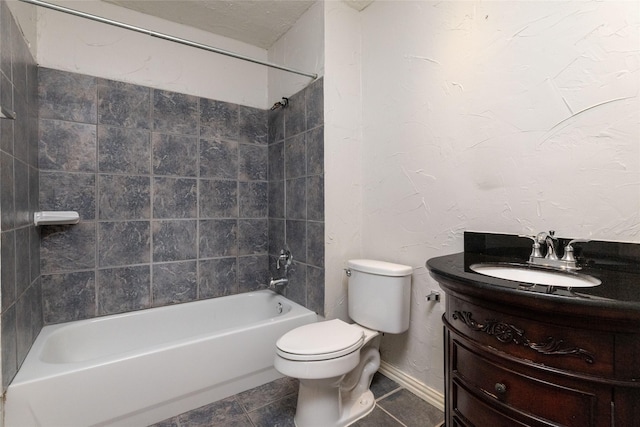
[[357, 409], [339, 401], [322, 406]]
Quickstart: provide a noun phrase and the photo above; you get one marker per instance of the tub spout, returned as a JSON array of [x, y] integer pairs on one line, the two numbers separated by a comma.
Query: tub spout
[[278, 283]]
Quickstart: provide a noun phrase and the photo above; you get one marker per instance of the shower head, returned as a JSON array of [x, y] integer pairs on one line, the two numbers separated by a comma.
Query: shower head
[[281, 104]]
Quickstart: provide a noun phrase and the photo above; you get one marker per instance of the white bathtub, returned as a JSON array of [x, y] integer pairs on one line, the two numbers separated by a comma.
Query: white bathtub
[[138, 368]]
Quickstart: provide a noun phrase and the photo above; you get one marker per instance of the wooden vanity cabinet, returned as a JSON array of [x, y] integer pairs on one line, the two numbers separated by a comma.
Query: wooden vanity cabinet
[[507, 366]]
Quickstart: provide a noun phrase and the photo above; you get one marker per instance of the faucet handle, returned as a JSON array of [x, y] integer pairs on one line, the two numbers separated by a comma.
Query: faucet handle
[[568, 250], [578, 241], [541, 237], [286, 257], [527, 236], [535, 250]]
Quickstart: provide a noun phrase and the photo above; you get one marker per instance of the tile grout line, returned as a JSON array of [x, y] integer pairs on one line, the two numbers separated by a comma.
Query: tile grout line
[[247, 412], [244, 410], [389, 394], [388, 413], [441, 424]]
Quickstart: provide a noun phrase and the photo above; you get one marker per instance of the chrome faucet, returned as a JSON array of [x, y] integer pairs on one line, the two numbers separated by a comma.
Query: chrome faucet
[[278, 283], [284, 260], [550, 259], [551, 242]]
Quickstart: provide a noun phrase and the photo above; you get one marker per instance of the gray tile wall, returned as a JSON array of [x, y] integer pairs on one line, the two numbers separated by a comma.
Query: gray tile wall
[[20, 290], [296, 192], [172, 191]]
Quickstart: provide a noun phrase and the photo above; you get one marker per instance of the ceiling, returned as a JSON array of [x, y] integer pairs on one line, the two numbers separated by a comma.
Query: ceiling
[[256, 22]]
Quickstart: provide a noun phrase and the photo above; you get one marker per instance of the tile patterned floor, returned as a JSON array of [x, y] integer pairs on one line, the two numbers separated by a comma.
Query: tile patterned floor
[[274, 405]]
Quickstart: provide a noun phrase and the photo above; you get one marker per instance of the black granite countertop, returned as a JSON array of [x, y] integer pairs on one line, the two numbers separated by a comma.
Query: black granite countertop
[[617, 265]]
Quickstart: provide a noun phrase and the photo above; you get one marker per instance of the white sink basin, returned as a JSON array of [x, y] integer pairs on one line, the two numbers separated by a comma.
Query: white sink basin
[[535, 276]]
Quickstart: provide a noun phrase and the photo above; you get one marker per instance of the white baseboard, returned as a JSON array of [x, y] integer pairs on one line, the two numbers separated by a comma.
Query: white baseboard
[[424, 392]]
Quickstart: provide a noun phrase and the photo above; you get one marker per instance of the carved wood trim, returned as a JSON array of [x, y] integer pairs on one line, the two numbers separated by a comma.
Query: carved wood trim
[[507, 333]]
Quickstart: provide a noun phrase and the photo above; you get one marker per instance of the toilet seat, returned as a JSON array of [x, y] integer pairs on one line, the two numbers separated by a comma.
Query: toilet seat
[[320, 341]]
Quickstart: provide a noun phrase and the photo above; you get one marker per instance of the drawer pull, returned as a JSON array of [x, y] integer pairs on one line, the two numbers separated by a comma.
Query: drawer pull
[[501, 388]]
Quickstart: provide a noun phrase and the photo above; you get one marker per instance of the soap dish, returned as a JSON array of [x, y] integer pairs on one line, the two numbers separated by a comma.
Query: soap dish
[[55, 218]]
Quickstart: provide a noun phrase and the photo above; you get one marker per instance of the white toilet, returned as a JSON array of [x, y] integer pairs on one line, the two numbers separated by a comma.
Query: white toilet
[[334, 360]]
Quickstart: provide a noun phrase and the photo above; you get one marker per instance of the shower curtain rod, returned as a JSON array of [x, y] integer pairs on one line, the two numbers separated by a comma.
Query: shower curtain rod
[[167, 37]]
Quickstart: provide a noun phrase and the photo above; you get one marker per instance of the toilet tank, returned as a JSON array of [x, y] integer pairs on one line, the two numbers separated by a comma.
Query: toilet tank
[[379, 295]]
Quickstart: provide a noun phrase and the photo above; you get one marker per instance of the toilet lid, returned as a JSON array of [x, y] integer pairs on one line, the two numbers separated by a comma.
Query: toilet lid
[[320, 341]]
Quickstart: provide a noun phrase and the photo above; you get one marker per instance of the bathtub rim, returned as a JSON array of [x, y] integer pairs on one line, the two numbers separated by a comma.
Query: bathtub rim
[[34, 368]]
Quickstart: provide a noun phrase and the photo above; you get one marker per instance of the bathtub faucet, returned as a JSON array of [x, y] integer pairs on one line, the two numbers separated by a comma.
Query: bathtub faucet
[[284, 260], [278, 283]]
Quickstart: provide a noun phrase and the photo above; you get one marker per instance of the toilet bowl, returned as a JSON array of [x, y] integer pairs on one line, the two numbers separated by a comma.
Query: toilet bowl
[[334, 360], [321, 355]]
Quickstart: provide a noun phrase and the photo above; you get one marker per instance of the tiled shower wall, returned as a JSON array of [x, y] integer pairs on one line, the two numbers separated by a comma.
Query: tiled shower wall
[[172, 192], [296, 192], [19, 245]]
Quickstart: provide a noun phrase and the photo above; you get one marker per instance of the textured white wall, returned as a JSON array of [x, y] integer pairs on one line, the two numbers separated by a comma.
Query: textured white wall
[[26, 17], [342, 151], [501, 116], [79, 45], [301, 48]]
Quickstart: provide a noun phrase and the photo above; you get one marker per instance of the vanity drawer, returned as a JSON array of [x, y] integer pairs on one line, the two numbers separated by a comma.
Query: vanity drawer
[[548, 399], [577, 350], [472, 412]]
